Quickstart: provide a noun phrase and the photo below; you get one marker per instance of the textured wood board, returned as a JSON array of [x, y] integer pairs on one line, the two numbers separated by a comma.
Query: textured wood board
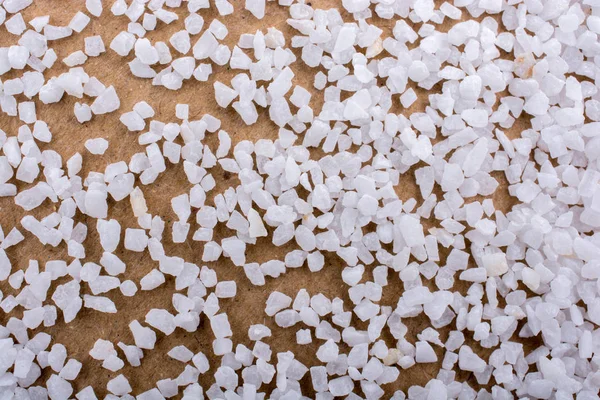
[[247, 307]]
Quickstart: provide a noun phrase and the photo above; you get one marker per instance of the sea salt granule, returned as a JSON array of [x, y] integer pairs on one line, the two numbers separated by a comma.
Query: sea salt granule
[[135, 239], [224, 95], [102, 350], [256, 7], [13, 87], [145, 52], [224, 7], [495, 264], [226, 289], [57, 357], [83, 112], [303, 336], [537, 104], [276, 302], [15, 24], [27, 112], [477, 118], [79, 22], [94, 46], [133, 121], [162, 320], [94, 7], [18, 56], [149, 22], [194, 23], [182, 111], [112, 264], [123, 43], [144, 110], [425, 353], [469, 361], [93, 87], [96, 146], [450, 11], [27, 172], [119, 386], [109, 232], [52, 32], [328, 351], [181, 42], [99, 303], [128, 288], [470, 87], [71, 370], [39, 22], [144, 337], [181, 353], [58, 388], [408, 98], [220, 326], [341, 386], [41, 132], [106, 102], [203, 72], [113, 363], [152, 280], [167, 387], [76, 58], [86, 393], [256, 225], [258, 332]]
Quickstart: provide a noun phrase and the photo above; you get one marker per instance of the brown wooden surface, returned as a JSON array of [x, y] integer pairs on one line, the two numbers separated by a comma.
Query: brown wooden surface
[[247, 307]]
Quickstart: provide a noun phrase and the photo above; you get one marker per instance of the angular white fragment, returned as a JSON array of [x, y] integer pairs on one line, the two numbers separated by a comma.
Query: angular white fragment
[[256, 7], [78, 22], [83, 113], [94, 46], [106, 102], [94, 7]]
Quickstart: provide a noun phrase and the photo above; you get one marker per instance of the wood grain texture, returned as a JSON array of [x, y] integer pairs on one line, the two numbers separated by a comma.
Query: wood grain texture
[[247, 307]]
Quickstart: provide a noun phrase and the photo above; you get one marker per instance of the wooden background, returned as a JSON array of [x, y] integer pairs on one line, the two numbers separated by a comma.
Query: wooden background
[[247, 307]]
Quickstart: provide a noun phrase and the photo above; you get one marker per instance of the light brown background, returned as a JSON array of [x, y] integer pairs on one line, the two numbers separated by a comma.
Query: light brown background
[[247, 307]]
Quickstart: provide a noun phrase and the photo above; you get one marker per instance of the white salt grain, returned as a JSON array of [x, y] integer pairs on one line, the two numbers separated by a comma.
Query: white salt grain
[[94, 46], [79, 22], [106, 102], [96, 146], [94, 7], [76, 58], [119, 386], [83, 113]]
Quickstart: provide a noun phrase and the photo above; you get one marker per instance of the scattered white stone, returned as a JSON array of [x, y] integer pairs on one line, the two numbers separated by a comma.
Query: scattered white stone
[[135, 239], [144, 337], [15, 24], [94, 46], [78, 22], [181, 353], [96, 146], [133, 121], [106, 102], [76, 58], [58, 388], [39, 22], [527, 269], [119, 386], [161, 320], [256, 7], [83, 113]]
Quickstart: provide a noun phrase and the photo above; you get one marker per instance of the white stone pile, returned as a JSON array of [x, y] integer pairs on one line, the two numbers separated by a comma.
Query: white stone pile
[[477, 102]]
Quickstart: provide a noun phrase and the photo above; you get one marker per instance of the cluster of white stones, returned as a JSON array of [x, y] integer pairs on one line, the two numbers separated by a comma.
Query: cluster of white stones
[[328, 185]]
